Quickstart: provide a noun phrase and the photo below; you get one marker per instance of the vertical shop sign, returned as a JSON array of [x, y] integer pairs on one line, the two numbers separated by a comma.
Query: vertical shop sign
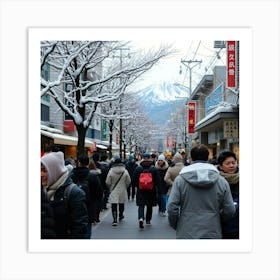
[[191, 117], [231, 63], [104, 130], [117, 138], [167, 141]]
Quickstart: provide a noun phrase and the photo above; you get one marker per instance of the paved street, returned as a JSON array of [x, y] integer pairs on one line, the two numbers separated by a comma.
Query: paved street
[[129, 228]]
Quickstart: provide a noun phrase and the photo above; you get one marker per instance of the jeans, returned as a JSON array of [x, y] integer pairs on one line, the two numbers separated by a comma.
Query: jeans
[[149, 212], [162, 200]]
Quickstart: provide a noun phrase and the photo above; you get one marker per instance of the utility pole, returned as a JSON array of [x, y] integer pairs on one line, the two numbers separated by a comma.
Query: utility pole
[[188, 64], [121, 129]]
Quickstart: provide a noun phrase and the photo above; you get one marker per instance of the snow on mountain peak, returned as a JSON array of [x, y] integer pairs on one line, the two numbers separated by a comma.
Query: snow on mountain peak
[[164, 92]]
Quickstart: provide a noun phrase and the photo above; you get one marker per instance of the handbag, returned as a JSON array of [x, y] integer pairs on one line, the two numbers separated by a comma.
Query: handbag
[[117, 182]]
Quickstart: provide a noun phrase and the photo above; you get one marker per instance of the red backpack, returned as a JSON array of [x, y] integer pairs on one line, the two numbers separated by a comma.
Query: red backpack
[[146, 180]]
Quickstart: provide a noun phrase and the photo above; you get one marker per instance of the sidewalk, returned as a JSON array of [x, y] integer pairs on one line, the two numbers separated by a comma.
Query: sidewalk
[[128, 228]]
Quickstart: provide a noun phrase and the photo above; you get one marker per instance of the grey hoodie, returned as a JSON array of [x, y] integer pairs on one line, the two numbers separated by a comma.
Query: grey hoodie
[[199, 199]]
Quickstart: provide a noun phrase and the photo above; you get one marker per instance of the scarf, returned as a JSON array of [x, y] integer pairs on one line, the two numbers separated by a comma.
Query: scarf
[[231, 178], [55, 186]]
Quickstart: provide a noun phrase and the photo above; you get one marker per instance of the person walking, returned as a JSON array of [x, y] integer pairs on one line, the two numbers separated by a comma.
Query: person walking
[[130, 166], [227, 165], [67, 200], [91, 185], [200, 198], [173, 171], [162, 166], [146, 198], [118, 180]]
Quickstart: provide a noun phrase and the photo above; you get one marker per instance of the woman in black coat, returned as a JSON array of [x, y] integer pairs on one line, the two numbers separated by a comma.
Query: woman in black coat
[[229, 170], [146, 198]]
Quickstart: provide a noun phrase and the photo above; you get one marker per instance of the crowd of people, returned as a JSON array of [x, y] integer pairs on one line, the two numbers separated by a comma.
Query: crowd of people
[[199, 197]]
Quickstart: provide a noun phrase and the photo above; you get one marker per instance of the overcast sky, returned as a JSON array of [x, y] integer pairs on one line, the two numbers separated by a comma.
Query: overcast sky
[[168, 69]]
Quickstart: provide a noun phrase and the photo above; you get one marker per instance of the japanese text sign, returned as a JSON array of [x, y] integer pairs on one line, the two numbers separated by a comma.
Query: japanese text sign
[[191, 117], [231, 63]]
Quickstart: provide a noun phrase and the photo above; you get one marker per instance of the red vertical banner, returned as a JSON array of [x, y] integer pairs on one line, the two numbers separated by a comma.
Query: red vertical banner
[[173, 142], [117, 138], [191, 116], [167, 141], [231, 63]]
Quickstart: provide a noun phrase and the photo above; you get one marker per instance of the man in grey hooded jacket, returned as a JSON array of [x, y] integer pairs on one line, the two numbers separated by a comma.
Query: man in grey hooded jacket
[[199, 199]]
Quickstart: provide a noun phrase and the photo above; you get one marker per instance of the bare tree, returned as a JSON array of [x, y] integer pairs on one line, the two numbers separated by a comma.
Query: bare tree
[[91, 77]]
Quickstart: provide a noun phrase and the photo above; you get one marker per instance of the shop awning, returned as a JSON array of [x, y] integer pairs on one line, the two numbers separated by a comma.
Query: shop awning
[[225, 111], [102, 147], [63, 139]]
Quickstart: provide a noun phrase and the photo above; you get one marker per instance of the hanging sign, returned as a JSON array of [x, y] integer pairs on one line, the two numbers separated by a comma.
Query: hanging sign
[[231, 64], [191, 117]]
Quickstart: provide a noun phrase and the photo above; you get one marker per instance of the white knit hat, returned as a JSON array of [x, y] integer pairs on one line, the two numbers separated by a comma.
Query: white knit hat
[[54, 163], [161, 157]]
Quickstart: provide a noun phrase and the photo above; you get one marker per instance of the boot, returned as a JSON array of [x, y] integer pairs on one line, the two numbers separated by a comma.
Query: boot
[[115, 215]]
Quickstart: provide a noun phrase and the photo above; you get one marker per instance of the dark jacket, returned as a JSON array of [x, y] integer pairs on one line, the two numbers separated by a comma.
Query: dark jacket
[[47, 217], [82, 174], [71, 215], [130, 167], [146, 197], [230, 228], [163, 187]]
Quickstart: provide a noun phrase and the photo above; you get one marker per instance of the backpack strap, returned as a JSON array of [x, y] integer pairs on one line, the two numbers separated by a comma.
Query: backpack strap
[[67, 192]]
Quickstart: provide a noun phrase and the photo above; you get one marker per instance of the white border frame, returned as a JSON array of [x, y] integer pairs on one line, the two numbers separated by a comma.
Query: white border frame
[[262, 16], [244, 35]]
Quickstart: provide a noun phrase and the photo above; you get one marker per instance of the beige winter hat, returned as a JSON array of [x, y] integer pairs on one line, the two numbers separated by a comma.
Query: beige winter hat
[[177, 158]]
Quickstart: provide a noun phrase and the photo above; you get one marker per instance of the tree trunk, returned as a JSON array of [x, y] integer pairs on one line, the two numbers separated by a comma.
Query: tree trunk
[[81, 139]]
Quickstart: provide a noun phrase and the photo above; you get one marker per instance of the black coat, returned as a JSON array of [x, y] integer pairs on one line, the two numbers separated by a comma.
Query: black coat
[[47, 217], [146, 197], [71, 215]]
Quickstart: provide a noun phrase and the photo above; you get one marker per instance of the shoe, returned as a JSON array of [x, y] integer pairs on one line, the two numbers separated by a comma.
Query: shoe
[[121, 217], [163, 214], [114, 224], [141, 223], [148, 223]]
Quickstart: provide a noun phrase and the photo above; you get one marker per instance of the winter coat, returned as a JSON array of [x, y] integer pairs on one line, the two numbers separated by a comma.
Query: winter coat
[[148, 198], [119, 193], [199, 199], [71, 215], [162, 169], [171, 174], [80, 174], [231, 227], [47, 217], [83, 177], [130, 167]]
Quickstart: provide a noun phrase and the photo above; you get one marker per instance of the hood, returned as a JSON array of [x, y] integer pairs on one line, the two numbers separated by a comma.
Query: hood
[[200, 175], [118, 168], [163, 167]]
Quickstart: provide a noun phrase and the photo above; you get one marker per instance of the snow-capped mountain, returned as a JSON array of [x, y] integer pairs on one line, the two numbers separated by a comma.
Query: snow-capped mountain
[[160, 100]]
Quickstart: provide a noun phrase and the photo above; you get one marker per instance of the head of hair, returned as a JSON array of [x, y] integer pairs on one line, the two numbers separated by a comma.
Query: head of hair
[[224, 155], [51, 148], [103, 157], [83, 160], [95, 157], [200, 152]]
